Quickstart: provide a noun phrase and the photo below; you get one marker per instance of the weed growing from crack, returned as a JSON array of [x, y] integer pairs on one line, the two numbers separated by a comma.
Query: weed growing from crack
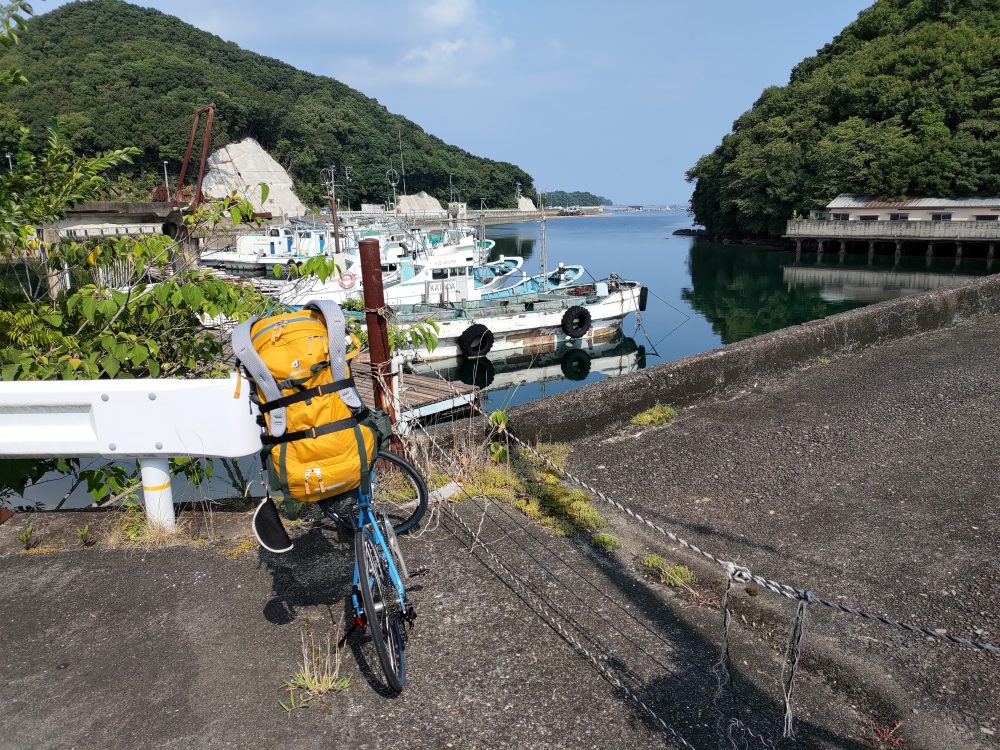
[[655, 416], [318, 673], [605, 542], [671, 575]]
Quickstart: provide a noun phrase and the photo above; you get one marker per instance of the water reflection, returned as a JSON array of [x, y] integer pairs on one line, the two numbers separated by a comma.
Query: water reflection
[[745, 294], [868, 285], [616, 356], [511, 246], [746, 291]]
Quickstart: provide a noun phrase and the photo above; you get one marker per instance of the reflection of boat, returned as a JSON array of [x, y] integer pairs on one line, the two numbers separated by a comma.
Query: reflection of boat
[[612, 357], [869, 284]]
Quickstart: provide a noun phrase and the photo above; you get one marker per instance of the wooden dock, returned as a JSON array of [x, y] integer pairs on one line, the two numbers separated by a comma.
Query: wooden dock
[[419, 395]]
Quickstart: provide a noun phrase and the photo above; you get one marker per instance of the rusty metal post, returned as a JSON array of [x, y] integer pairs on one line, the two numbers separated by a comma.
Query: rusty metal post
[[378, 326], [205, 145]]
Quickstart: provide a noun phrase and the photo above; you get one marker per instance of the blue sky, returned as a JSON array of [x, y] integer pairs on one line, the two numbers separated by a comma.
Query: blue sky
[[616, 98]]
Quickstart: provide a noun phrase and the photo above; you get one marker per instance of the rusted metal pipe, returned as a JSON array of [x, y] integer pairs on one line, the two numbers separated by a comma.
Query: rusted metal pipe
[[378, 325]]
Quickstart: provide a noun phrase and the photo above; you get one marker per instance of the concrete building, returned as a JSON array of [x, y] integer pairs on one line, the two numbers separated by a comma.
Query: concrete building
[[956, 223], [846, 207]]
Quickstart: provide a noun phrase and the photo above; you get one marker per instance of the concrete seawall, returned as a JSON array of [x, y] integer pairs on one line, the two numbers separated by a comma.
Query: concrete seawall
[[575, 414]]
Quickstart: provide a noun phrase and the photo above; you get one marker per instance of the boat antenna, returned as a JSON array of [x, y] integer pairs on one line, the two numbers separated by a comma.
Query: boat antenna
[[402, 167]]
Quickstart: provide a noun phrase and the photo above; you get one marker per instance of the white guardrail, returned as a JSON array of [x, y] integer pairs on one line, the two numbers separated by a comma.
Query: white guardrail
[[148, 420]]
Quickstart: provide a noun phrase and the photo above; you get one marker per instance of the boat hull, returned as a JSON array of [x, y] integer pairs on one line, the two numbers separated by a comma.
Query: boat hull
[[525, 325]]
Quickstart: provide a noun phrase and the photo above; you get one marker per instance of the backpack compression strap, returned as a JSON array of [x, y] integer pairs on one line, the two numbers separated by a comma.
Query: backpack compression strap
[[246, 354], [335, 331]]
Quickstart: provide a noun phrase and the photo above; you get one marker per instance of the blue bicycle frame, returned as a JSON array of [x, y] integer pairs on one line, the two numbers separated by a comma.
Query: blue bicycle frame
[[365, 517]]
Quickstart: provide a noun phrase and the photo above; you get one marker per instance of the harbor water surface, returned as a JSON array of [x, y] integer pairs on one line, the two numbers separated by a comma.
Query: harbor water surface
[[702, 294]]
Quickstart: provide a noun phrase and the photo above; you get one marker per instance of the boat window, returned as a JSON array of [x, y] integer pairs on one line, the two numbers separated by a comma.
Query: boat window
[[458, 272], [306, 235], [439, 273], [274, 233]]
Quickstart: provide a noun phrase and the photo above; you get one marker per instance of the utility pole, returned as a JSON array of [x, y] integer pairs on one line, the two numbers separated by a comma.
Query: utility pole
[[393, 177], [402, 167], [347, 184], [329, 176], [166, 183]]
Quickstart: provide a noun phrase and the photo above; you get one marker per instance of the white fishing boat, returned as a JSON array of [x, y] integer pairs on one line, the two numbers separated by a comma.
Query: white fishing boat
[[445, 277], [279, 245], [474, 328]]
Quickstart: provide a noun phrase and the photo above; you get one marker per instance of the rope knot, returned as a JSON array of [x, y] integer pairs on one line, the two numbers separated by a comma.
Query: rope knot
[[809, 597], [739, 573]]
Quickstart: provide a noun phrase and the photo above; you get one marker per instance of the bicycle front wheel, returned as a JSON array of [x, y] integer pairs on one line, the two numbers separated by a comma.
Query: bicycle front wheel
[[399, 491], [382, 607]]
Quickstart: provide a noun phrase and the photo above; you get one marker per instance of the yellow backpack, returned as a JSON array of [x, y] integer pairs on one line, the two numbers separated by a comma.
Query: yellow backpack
[[310, 410]]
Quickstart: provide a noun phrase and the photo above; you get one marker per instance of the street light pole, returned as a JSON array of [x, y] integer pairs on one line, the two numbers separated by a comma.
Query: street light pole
[[10, 161], [166, 182]]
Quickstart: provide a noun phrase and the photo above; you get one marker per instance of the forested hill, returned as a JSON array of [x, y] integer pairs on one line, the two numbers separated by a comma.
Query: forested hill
[[905, 101], [112, 74], [574, 198]]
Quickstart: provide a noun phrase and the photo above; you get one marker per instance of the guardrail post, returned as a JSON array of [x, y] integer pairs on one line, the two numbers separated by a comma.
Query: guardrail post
[[157, 494]]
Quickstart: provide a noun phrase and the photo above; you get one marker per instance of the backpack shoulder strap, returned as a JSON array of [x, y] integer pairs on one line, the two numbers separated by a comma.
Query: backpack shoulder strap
[[335, 331], [255, 367]]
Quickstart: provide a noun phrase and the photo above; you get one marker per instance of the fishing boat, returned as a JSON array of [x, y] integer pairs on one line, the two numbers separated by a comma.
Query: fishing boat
[[445, 277], [474, 328], [564, 276]]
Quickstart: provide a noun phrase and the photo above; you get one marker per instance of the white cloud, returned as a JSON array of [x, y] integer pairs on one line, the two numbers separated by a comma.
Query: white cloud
[[449, 12]]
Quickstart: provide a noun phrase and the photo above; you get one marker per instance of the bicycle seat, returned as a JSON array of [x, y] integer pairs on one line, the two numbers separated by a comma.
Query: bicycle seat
[[268, 529]]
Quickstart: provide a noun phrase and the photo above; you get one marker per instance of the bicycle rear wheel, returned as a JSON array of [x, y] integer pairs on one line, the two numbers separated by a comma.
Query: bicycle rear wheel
[[398, 491], [382, 607]]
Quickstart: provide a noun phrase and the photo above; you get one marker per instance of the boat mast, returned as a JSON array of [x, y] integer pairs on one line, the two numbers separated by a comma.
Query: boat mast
[[543, 254]]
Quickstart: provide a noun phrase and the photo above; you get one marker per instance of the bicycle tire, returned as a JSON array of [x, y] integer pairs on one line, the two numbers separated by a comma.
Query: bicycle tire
[[399, 491], [381, 609]]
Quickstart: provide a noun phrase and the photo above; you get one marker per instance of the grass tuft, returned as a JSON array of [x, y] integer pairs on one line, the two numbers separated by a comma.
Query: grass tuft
[[131, 530], [27, 537], [318, 673], [671, 575], [655, 416], [247, 545], [605, 542], [38, 551]]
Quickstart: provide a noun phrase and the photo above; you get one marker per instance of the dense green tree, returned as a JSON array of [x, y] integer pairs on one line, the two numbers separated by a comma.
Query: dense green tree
[[905, 101], [574, 198], [109, 74]]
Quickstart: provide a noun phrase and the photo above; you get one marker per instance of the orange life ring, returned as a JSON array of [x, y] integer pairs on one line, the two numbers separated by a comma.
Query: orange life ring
[[347, 280]]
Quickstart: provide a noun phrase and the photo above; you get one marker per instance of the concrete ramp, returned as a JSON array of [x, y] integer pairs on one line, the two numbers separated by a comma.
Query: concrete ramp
[[242, 167]]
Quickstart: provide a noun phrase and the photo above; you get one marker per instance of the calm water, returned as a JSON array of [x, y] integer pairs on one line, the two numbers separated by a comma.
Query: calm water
[[702, 295]]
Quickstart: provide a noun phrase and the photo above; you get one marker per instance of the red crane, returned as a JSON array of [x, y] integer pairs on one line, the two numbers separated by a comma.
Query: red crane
[[206, 140]]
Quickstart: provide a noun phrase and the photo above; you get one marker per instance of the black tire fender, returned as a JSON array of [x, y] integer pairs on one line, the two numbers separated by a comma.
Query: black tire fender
[[475, 341], [576, 322], [643, 297]]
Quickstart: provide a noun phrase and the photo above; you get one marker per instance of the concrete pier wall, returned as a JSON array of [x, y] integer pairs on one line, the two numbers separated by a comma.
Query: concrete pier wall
[[575, 414]]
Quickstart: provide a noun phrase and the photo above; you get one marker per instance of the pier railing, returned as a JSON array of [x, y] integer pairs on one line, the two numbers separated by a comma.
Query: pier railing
[[893, 230]]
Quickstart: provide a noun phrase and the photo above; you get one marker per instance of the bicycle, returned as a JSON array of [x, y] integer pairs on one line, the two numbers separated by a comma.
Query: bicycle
[[395, 505]]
